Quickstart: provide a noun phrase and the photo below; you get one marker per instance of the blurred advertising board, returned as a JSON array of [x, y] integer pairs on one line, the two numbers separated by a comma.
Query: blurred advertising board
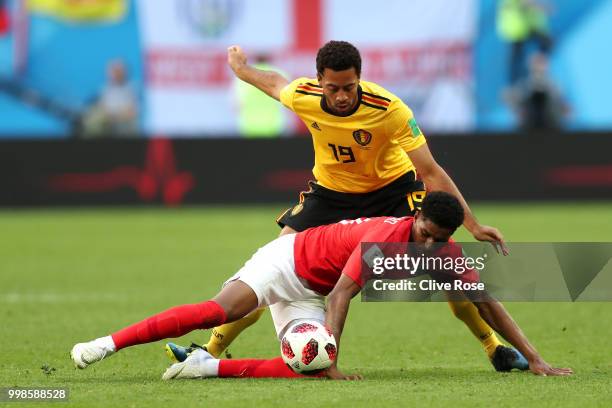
[[172, 171]]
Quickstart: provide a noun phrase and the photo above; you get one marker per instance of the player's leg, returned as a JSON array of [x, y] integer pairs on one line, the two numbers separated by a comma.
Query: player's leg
[[253, 368], [291, 303], [251, 287], [284, 314], [200, 364], [221, 337], [468, 314], [312, 210], [235, 300]]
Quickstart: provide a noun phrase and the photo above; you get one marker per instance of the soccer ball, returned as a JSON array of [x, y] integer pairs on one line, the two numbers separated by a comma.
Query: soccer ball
[[308, 347]]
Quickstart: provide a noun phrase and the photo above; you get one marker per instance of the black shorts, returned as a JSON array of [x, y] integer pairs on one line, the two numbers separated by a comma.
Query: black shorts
[[321, 206]]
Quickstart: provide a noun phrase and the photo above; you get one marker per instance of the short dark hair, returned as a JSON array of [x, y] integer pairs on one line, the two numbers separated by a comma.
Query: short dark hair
[[443, 209], [338, 56]]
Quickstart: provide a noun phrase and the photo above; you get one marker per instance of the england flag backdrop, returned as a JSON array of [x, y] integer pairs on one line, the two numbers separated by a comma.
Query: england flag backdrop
[[421, 50]]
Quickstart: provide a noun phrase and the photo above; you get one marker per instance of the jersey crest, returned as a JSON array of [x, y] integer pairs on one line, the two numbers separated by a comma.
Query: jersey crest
[[362, 137]]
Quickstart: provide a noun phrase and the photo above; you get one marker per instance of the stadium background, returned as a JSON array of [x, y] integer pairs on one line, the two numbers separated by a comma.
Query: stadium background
[[446, 60], [69, 264]]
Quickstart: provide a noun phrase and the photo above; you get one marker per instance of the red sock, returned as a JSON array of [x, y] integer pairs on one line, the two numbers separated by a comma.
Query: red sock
[[251, 368], [173, 322]]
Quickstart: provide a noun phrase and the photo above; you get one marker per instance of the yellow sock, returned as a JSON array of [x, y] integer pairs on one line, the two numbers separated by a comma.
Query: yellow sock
[[468, 313], [224, 335]]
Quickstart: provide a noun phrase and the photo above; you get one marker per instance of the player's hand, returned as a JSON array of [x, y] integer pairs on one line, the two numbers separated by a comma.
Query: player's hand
[[541, 367], [334, 374], [236, 58], [492, 235]]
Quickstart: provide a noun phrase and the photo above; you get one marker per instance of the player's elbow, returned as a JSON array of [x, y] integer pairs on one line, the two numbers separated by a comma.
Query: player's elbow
[[277, 86], [334, 298], [342, 295], [338, 298]]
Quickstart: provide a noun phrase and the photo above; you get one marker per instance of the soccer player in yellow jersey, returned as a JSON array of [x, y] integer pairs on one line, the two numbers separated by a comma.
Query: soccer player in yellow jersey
[[368, 152]]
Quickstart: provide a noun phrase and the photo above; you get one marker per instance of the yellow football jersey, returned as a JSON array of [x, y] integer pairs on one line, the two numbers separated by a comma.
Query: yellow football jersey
[[361, 152]]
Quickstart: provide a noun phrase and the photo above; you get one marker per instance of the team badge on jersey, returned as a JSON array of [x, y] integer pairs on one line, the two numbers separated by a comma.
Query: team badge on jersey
[[363, 137]]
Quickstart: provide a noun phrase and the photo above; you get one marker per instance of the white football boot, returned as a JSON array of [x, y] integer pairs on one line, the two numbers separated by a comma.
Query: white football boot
[[199, 364], [85, 354]]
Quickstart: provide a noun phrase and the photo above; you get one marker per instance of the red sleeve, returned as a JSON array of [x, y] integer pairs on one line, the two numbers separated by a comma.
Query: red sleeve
[[382, 233]]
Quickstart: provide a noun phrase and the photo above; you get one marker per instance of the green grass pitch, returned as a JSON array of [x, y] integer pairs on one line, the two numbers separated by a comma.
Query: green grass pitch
[[72, 275]]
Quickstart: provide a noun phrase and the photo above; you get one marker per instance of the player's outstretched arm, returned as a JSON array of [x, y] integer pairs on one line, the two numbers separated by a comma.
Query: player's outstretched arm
[[436, 179], [338, 302], [494, 313], [269, 82]]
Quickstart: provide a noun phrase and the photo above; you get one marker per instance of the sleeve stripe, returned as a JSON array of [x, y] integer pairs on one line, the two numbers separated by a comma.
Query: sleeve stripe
[[376, 96], [373, 106], [309, 89], [309, 93], [371, 100]]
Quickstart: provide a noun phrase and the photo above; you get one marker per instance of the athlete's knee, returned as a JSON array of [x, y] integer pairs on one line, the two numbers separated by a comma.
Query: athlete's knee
[[237, 299]]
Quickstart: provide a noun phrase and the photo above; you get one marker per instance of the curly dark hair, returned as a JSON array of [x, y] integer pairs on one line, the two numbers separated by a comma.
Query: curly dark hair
[[338, 56], [443, 209]]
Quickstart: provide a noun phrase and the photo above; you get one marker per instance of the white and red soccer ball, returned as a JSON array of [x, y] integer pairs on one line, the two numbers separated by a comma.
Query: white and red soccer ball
[[308, 347]]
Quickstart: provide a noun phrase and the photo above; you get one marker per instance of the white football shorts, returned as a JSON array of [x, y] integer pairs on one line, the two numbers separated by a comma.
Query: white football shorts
[[271, 274]]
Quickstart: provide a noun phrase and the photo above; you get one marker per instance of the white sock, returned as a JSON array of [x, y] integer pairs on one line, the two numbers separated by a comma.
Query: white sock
[[106, 343], [212, 368], [208, 365]]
